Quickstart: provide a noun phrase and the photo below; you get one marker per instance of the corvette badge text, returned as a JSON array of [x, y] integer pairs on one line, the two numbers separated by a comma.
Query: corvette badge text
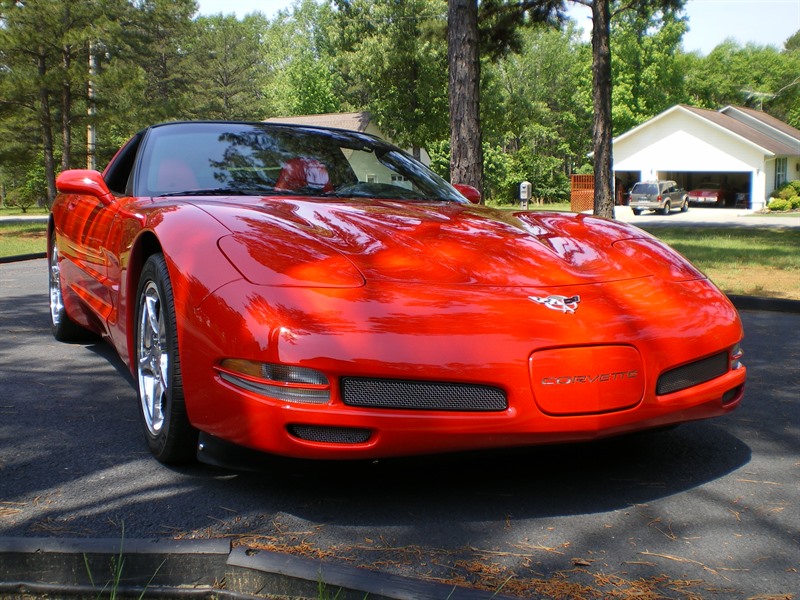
[[563, 303], [599, 378]]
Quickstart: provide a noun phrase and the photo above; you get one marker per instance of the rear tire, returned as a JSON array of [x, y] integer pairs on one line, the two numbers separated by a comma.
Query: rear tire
[[169, 435], [64, 329], [637, 211], [665, 210]]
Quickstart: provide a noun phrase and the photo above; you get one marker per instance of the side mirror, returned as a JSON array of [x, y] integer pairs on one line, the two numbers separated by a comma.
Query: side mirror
[[84, 182], [469, 192]]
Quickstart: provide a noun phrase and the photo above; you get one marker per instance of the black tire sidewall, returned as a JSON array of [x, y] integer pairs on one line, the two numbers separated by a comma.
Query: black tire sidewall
[[66, 330], [175, 442]]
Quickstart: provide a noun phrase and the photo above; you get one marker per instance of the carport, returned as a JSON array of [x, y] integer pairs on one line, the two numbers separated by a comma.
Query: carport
[[748, 152]]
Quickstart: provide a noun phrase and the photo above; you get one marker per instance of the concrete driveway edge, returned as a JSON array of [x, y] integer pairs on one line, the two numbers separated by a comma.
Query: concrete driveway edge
[[163, 568], [770, 304]]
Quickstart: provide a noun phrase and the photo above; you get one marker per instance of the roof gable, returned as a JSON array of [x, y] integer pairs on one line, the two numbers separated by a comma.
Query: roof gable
[[354, 121], [770, 135]]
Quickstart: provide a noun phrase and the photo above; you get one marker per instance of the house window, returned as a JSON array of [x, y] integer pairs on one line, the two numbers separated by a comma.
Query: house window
[[781, 168]]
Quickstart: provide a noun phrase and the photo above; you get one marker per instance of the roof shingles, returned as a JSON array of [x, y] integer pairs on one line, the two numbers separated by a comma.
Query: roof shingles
[[781, 145]]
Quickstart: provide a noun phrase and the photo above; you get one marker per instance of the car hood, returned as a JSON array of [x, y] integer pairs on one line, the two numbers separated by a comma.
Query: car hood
[[433, 243]]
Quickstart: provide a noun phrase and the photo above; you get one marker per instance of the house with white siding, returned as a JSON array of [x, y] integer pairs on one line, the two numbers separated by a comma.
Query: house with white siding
[[747, 151]]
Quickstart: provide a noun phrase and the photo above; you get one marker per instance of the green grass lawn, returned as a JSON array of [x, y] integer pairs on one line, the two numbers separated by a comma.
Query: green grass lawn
[[11, 211], [20, 237], [753, 261]]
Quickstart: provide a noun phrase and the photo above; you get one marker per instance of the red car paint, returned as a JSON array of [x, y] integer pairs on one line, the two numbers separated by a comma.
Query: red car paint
[[572, 318]]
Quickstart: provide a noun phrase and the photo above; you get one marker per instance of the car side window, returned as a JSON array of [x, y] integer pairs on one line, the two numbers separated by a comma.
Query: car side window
[[118, 173]]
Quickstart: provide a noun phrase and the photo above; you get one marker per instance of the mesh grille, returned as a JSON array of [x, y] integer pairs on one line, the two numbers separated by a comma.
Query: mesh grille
[[331, 435], [692, 374], [421, 395]]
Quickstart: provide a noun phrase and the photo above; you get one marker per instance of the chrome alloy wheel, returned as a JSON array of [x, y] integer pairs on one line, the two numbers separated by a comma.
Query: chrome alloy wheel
[[153, 358], [56, 299]]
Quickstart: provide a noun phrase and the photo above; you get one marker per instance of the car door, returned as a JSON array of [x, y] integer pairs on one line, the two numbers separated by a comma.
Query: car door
[[83, 227], [672, 195]]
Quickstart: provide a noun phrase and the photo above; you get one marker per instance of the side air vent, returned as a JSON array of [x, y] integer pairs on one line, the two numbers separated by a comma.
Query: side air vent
[[692, 374], [421, 395]]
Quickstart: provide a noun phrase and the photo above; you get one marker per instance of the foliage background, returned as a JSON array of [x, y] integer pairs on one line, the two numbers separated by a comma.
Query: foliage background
[[119, 65]]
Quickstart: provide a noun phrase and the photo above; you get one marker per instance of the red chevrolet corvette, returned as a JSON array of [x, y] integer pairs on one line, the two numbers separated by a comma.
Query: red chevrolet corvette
[[317, 293]]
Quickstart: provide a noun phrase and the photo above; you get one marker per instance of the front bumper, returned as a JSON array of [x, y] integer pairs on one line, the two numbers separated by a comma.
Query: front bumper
[[455, 340]]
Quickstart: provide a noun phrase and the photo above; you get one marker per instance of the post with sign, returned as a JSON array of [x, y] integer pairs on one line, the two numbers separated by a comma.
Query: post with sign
[[524, 194]]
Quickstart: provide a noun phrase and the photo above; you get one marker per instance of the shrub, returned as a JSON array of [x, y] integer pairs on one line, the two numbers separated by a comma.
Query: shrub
[[795, 202], [788, 190], [779, 204], [21, 198]]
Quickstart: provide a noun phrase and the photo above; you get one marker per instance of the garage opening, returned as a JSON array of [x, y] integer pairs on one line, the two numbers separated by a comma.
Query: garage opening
[[736, 187], [623, 182]]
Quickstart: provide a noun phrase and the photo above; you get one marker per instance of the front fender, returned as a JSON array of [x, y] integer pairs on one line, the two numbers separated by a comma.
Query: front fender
[[187, 237]]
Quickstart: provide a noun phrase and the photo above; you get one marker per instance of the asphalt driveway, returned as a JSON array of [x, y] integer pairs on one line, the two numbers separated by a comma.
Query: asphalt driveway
[[708, 510]]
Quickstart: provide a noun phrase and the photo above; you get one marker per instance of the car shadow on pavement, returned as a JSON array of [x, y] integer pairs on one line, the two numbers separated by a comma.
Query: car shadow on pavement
[[554, 480], [74, 433]]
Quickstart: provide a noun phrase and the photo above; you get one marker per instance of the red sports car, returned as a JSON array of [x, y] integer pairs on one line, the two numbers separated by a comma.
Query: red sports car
[[317, 293], [708, 193]]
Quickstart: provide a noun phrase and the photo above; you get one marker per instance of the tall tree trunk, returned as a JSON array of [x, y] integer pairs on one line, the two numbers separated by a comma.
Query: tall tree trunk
[[601, 97], [46, 124], [466, 153], [66, 111]]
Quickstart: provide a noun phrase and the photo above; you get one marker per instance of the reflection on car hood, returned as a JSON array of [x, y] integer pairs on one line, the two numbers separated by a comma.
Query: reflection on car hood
[[439, 243]]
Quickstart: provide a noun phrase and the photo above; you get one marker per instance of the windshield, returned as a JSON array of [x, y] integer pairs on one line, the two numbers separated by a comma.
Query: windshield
[[264, 159]]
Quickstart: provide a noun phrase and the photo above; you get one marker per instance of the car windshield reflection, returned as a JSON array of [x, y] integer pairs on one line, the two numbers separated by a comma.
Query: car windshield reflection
[[226, 159]]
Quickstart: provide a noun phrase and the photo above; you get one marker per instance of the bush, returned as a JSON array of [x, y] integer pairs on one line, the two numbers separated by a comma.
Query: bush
[[788, 190], [786, 197], [779, 204], [21, 198]]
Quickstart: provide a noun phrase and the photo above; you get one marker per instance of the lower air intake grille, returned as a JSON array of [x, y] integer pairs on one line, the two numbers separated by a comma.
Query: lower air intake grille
[[421, 395], [693, 374], [330, 435]]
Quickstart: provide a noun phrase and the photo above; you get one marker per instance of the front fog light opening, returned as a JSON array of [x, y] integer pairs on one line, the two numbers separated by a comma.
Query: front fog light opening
[[281, 382]]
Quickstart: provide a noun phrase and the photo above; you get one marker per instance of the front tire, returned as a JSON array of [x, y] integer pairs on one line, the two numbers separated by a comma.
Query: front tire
[[170, 437]]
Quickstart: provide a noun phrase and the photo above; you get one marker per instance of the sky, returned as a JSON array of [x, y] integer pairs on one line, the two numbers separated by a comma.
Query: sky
[[763, 22]]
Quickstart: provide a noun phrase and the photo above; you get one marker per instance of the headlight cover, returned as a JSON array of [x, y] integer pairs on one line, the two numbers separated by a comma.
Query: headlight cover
[[659, 258], [281, 382]]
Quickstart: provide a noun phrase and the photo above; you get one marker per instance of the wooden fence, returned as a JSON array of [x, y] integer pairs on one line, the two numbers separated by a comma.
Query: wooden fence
[[582, 193]]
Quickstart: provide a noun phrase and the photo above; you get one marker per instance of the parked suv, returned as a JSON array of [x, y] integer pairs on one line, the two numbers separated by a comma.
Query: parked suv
[[661, 196]]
